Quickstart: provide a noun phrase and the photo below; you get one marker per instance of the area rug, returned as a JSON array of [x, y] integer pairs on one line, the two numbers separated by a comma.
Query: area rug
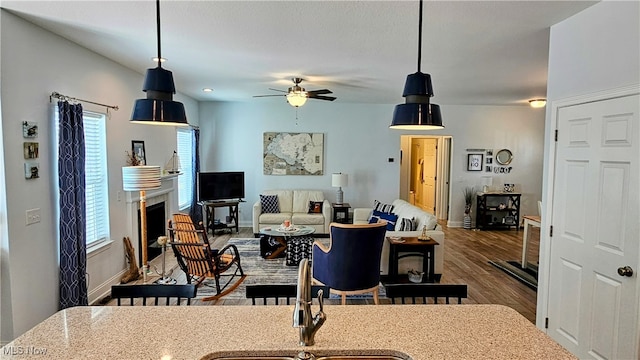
[[259, 271], [528, 276], [256, 269]]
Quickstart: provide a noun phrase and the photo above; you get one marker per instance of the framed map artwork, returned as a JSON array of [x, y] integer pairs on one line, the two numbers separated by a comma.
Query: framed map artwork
[[293, 153]]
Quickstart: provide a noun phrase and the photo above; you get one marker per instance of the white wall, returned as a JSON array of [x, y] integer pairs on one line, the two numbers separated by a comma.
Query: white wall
[[358, 142], [34, 64], [595, 50]]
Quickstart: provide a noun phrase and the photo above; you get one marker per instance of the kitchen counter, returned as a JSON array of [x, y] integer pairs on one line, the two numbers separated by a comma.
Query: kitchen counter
[[192, 332]]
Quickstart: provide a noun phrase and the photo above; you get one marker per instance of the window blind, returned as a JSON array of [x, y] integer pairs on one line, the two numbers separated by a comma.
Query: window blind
[[96, 179], [186, 154]]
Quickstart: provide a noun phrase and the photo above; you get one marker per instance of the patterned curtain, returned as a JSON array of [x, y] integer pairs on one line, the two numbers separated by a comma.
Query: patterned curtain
[[73, 255], [196, 210]]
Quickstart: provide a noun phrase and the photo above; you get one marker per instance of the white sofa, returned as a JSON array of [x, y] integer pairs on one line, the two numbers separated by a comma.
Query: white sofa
[[294, 206], [405, 210]]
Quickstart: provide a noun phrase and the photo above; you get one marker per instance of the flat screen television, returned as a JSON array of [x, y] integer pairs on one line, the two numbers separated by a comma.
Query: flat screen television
[[213, 186]]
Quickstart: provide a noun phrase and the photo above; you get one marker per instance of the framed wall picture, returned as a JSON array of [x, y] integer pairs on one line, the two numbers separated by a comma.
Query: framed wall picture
[[31, 150], [137, 148], [474, 162], [31, 170], [30, 129]]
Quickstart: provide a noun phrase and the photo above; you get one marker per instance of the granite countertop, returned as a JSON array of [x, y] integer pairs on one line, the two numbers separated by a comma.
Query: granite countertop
[[193, 332]]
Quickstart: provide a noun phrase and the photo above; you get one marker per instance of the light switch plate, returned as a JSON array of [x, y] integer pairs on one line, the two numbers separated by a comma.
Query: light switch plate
[[33, 216]]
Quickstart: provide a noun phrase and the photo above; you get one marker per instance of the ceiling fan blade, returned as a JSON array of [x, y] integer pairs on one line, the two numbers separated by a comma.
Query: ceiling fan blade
[[278, 90], [266, 95], [318, 92], [320, 97]]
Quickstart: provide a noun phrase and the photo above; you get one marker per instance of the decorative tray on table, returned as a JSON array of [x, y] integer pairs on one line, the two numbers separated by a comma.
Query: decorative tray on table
[[396, 239], [289, 229]]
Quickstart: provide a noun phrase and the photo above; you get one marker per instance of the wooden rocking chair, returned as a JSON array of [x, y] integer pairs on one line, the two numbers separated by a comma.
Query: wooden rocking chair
[[198, 261]]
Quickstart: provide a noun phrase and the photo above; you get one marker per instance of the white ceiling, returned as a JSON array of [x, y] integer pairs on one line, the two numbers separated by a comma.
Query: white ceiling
[[477, 52]]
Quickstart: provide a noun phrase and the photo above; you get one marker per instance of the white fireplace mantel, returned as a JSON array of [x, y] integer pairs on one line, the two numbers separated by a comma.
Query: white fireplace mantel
[[167, 193]]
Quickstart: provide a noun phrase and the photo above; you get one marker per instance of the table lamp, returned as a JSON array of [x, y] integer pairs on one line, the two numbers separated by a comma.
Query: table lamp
[[487, 181], [142, 178], [339, 180]]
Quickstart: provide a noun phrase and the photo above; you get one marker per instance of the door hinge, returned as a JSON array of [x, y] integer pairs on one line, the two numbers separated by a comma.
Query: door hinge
[[546, 323], [551, 231], [556, 134]]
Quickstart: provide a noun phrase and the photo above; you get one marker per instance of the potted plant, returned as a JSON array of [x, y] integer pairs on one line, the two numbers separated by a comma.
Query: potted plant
[[468, 199]]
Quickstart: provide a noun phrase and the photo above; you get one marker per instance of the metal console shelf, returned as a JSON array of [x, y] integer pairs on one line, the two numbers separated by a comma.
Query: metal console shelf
[[497, 210]]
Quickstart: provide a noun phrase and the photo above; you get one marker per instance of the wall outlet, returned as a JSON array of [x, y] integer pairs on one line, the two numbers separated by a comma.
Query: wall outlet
[[33, 216]]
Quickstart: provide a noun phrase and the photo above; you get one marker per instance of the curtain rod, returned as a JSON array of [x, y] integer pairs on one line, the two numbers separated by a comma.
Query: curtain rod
[[57, 95]]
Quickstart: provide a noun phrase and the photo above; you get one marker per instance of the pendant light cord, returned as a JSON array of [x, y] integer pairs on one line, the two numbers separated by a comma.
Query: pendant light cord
[[419, 37], [158, 31]]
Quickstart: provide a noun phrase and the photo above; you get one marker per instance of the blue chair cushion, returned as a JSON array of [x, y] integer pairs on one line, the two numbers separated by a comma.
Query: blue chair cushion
[[353, 261]]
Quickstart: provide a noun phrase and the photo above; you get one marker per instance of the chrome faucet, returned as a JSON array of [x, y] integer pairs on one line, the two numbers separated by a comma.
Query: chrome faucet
[[302, 317]]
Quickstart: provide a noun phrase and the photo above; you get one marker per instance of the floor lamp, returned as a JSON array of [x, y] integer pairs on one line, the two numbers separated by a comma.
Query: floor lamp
[[142, 178]]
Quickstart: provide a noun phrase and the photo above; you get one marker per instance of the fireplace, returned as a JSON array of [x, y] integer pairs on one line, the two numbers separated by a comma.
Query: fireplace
[[167, 194], [155, 227]]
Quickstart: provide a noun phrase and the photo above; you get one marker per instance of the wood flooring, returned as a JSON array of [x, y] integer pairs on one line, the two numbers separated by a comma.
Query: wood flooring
[[466, 261]]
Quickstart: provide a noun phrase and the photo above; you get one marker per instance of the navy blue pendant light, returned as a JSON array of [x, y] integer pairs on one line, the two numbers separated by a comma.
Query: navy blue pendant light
[[159, 108], [417, 113]]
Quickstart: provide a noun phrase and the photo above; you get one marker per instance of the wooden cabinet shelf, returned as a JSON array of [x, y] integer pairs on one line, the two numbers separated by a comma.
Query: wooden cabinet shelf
[[497, 210]]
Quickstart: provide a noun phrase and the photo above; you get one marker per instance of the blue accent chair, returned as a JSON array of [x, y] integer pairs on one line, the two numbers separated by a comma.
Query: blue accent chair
[[351, 264]]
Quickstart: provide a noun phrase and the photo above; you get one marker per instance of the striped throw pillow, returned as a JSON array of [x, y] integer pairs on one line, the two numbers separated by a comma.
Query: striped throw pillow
[[382, 207], [405, 224]]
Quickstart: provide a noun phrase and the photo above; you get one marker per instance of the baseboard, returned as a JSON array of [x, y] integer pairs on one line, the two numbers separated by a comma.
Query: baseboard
[[248, 224], [104, 289], [454, 224]]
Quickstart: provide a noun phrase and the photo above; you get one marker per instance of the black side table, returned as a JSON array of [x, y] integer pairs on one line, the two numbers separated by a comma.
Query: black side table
[[411, 246], [341, 212]]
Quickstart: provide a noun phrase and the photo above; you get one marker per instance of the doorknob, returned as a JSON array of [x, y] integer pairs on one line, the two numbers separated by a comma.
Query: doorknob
[[625, 271]]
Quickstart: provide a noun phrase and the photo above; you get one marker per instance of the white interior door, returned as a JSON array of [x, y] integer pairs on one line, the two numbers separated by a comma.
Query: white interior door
[[416, 171], [592, 310], [429, 176]]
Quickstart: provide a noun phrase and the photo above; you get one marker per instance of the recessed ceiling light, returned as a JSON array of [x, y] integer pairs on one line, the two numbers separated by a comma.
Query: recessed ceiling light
[[207, 90], [537, 103], [155, 59]]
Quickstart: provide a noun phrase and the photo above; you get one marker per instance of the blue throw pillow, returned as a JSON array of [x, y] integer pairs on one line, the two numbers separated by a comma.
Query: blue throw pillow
[[269, 204], [391, 219]]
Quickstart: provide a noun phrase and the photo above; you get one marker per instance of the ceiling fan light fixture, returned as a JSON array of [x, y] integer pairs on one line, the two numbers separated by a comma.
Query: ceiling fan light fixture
[[297, 98], [417, 113], [538, 103], [159, 108]]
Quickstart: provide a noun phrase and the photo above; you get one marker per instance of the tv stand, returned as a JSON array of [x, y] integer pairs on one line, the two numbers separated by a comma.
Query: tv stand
[[209, 212]]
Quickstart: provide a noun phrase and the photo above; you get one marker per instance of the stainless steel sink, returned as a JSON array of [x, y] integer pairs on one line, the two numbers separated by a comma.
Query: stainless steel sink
[[319, 355]]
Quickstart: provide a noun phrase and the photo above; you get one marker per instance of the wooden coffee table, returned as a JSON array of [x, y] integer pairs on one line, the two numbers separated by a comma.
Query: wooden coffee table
[[412, 246]]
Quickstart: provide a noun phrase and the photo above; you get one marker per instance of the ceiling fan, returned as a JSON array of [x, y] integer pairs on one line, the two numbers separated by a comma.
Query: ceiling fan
[[297, 95]]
